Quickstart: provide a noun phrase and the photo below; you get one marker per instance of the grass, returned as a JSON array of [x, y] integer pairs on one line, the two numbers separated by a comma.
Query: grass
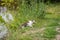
[[49, 32], [39, 23], [35, 12]]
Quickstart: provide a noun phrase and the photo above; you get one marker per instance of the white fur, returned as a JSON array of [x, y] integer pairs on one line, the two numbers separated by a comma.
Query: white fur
[[30, 23]]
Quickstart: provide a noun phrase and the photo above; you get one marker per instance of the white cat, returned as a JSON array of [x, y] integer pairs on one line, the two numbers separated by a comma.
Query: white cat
[[29, 23]]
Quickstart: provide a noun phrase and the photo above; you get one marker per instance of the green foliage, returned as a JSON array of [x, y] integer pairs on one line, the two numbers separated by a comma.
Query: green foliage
[[33, 11], [49, 32], [26, 38], [8, 0], [1, 20]]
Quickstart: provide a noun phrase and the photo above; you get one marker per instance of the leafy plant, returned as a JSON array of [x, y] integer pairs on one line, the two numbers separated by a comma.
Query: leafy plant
[[1, 20], [49, 33]]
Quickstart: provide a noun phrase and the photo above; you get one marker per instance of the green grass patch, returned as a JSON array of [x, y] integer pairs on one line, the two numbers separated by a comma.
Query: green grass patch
[[49, 33]]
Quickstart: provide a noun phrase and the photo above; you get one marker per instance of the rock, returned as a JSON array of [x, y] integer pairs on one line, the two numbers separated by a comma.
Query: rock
[[3, 9], [7, 17], [3, 31]]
